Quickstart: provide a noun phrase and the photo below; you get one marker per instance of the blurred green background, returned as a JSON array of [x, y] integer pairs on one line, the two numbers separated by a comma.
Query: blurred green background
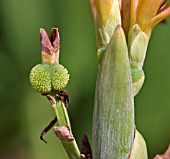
[[24, 113]]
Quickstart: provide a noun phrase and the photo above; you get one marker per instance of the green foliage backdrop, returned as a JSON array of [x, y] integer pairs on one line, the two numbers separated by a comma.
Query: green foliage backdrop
[[24, 113]]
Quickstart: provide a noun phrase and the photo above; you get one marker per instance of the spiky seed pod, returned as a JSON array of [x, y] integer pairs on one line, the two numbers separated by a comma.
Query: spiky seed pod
[[137, 79], [40, 78], [60, 77]]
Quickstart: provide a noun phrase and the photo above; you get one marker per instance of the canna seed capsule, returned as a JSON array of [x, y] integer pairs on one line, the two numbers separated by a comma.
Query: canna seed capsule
[[47, 77], [60, 77], [40, 78]]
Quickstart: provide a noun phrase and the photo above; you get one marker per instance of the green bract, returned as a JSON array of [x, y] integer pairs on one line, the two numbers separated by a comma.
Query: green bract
[[46, 77], [114, 102], [139, 150], [138, 77]]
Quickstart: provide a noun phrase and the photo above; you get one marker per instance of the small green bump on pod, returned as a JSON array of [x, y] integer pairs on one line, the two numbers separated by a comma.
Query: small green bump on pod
[[137, 79], [136, 74], [60, 77], [40, 78]]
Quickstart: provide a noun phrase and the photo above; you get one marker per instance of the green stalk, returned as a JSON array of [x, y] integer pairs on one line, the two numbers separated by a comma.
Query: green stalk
[[113, 119], [70, 146], [71, 149]]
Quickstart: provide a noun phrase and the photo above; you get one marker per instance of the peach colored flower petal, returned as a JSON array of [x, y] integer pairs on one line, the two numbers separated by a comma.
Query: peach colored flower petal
[[103, 8], [120, 3], [93, 7], [147, 10], [134, 5], [158, 18], [163, 7], [125, 15]]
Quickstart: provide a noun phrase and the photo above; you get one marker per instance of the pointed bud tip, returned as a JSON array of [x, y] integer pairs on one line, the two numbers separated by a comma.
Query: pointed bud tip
[[56, 29], [119, 32], [43, 34], [119, 27], [42, 30]]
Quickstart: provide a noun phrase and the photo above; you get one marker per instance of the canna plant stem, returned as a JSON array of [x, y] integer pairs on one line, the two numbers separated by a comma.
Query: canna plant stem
[[63, 130]]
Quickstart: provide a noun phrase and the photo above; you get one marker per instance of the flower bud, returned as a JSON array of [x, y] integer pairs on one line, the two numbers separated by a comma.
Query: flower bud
[[114, 102], [138, 43], [108, 17]]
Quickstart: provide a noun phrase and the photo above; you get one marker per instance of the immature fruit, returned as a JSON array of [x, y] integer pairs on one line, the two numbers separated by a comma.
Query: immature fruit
[[60, 77], [40, 78], [46, 77]]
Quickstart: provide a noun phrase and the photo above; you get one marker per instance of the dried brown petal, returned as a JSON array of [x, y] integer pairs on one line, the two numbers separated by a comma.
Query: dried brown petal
[[47, 128], [64, 97], [50, 46], [86, 148], [51, 99], [63, 133]]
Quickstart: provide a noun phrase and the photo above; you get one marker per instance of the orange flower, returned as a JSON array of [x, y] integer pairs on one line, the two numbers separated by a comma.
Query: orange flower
[[125, 6], [148, 13], [145, 13], [107, 17], [103, 8]]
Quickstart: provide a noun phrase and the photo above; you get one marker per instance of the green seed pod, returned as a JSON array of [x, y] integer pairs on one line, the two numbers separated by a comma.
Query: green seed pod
[[137, 79], [40, 78], [60, 77]]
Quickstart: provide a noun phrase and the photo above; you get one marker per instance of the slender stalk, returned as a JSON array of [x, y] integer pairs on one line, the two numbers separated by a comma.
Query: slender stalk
[[69, 142], [71, 149]]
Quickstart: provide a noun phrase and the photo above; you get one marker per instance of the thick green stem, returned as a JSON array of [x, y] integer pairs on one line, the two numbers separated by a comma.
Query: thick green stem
[[113, 120], [70, 145]]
